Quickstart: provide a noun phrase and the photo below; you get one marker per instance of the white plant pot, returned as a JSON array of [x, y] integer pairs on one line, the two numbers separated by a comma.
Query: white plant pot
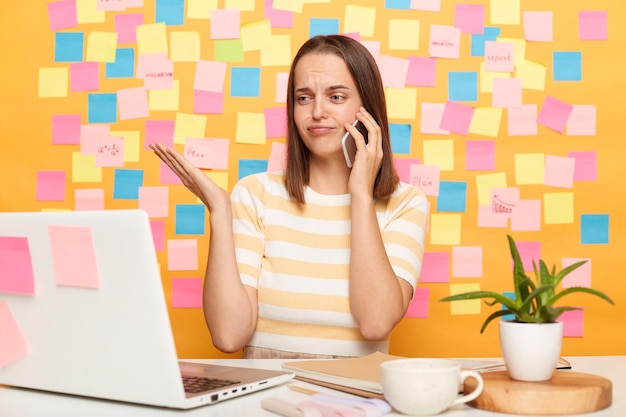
[[531, 350]]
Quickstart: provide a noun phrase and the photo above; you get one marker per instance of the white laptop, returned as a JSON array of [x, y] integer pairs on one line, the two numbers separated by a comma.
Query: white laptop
[[91, 318]]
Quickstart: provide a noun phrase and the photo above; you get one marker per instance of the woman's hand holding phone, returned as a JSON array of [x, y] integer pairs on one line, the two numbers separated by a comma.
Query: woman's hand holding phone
[[349, 146]]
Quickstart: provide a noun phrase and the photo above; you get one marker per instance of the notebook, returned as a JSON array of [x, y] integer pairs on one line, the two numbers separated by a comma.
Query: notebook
[[83, 311]]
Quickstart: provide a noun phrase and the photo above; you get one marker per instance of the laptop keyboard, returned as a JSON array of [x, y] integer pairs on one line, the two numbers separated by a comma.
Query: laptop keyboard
[[196, 384]]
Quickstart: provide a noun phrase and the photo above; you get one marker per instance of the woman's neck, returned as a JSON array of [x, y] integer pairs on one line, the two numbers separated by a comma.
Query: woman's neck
[[329, 177]]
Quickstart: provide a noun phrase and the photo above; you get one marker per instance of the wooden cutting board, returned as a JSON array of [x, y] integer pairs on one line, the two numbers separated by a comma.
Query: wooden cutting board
[[566, 393]]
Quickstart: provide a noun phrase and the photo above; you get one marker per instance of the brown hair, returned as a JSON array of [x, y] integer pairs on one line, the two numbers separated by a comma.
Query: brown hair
[[364, 72]]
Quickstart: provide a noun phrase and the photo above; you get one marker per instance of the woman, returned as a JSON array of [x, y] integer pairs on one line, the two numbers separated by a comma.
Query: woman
[[320, 260]]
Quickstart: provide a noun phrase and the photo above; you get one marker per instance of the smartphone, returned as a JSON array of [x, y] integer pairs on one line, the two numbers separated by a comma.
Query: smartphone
[[348, 145]]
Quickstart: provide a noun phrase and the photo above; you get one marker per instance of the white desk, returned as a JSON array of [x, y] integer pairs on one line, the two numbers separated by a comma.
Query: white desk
[[15, 402]]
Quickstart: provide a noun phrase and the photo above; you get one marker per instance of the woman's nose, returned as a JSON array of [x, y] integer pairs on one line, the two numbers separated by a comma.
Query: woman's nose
[[319, 109]]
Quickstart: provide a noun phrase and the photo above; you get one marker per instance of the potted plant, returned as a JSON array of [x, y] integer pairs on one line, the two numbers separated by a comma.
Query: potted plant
[[531, 342]]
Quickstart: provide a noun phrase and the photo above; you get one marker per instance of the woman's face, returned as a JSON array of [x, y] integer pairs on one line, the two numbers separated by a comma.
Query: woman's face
[[325, 97]]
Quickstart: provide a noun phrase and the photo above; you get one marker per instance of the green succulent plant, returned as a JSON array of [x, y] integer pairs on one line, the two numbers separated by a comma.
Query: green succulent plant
[[534, 301]]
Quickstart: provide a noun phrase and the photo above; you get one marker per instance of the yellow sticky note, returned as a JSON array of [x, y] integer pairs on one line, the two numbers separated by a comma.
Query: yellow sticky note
[[200, 9], [519, 48], [164, 100], [220, 178], [131, 144], [250, 128], [532, 74], [315, 1], [404, 34], [256, 35], [486, 121], [484, 184], [151, 38], [101, 46], [439, 153], [445, 229], [278, 53], [87, 12], [288, 5], [53, 82], [505, 12], [464, 306], [360, 19], [243, 5], [401, 102], [487, 77], [185, 46], [558, 208], [84, 168], [189, 126], [530, 168]]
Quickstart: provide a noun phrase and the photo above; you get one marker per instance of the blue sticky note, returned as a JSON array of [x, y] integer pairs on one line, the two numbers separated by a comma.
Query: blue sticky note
[[102, 108], [400, 138], [567, 66], [594, 228], [319, 26], [398, 4], [452, 195], [245, 82], [170, 12], [511, 295], [189, 219], [126, 183], [462, 86], [477, 47], [69, 46], [124, 65], [251, 166]]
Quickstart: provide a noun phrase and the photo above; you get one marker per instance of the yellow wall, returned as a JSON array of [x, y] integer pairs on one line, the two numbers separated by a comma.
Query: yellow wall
[[26, 124]]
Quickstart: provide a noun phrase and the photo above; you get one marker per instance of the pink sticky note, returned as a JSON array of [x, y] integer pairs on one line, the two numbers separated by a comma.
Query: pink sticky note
[[504, 201], [168, 176], [132, 103], [418, 308], [538, 26], [278, 18], [428, 5], [62, 14], [480, 155], [154, 201], [14, 343], [158, 234], [430, 120], [186, 292], [403, 167], [457, 117], [51, 185], [89, 199], [579, 277], [207, 153], [373, 47], [393, 71], [426, 178], [66, 129], [225, 24], [210, 76], [582, 121], [74, 256], [111, 6], [586, 165], [126, 27], [206, 102], [507, 93], [444, 42], [554, 114], [527, 216], [16, 266], [486, 218], [522, 121], [499, 56], [559, 171], [90, 135], [182, 255], [435, 267], [160, 131], [275, 122], [282, 78], [573, 323], [84, 76], [278, 157], [528, 252], [467, 261], [110, 152], [592, 25], [156, 71], [469, 18], [421, 71]]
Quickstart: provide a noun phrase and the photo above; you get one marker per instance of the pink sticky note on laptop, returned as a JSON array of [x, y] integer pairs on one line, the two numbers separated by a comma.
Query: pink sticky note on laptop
[[74, 256], [14, 344], [16, 267]]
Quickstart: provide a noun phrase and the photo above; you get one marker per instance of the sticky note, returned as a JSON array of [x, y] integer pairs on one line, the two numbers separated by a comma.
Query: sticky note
[[278, 157], [559, 171], [463, 307], [505, 12], [573, 323], [435, 267], [87, 12], [89, 136], [209, 76], [110, 152], [487, 78], [206, 102], [53, 82], [393, 71], [289, 5], [275, 122], [444, 42], [467, 261], [558, 208], [14, 343], [554, 114], [154, 201], [486, 121], [74, 256], [159, 131], [157, 72], [401, 102], [400, 138], [170, 12], [68, 46], [245, 82], [477, 44], [251, 166], [189, 126], [186, 292], [126, 183], [404, 34], [567, 66], [499, 56], [101, 46], [487, 218], [165, 100], [278, 53], [50, 186], [62, 14], [190, 219], [131, 141], [403, 168], [209, 153], [126, 26], [228, 50], [426, 178], [504, 201], [151, 38], [452, 196], [84, 168], [529, 252], [586, 165], [527, 216], [457, 117], [519, 48], [158, 234], [279, 17], [529, 168], [66, 129], [480, 155], [579, 277], [359, 19], [445, 229], [533, 75], [522, 121], [16, 266], [167, 176], [200, 9], [133, 103], [418, 308], [594, 229], [220, 178], [428, 5], [89, 199], [538, 26], [430, 119], [256, 35], [469, 18], [225, 24], [592, 25], [582, 120], [124, 65], [102, 108], [182, 254], [250, 128], [507, 93], [484, 184], [185, 46], [421, 71], [323, 26], [440, 153]]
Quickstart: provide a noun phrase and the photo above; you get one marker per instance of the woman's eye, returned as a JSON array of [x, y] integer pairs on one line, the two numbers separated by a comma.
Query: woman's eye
[[302, 99], [336, 97]]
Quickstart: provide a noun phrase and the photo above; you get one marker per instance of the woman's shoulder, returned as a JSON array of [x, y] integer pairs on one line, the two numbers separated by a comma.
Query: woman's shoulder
[[260, 182]]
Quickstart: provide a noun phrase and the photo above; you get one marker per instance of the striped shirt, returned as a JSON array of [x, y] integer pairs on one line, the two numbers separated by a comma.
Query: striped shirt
[[298, 259]]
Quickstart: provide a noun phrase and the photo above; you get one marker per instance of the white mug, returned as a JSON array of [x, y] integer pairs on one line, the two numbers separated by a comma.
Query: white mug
[[425, 386]]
